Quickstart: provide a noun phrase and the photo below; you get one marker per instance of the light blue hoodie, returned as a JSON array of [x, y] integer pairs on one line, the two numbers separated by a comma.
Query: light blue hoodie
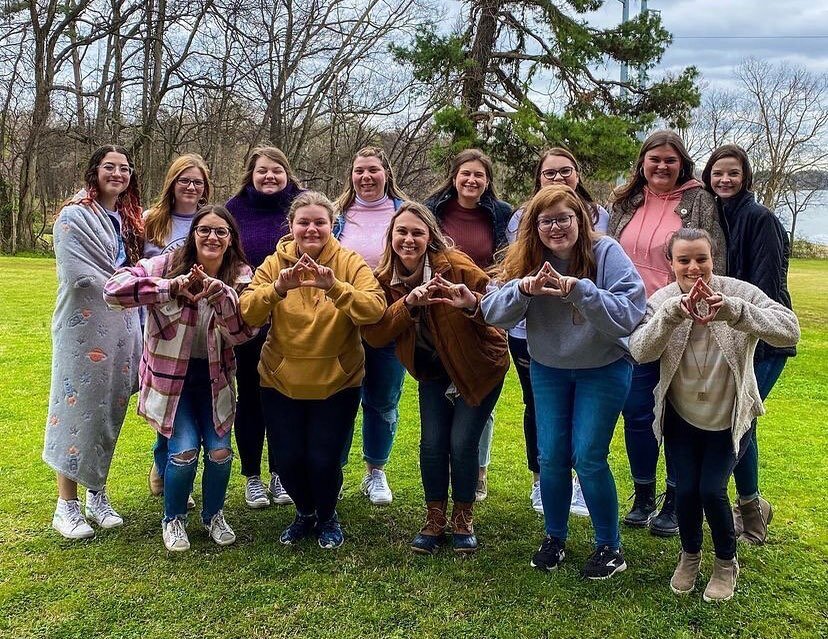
[[586, 329]]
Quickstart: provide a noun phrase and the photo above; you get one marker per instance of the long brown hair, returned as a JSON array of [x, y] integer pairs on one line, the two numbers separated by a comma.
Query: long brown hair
[[186, 255], [437, 242], [469, 155], [580, 189], [272, 153], [346, 199], [636, 182], [525, 256], [158, 222], [128, 204]]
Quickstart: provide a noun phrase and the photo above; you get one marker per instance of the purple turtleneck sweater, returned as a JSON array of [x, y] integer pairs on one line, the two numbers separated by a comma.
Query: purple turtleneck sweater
[[262, 219]]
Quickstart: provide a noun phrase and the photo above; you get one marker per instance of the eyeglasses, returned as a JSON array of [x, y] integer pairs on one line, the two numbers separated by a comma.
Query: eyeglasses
[[204, 231], [186, 182], [564, 172], [546, 223], [123, 169]]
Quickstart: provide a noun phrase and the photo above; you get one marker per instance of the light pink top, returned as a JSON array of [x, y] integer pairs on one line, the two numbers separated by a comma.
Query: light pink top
[[366, 226]]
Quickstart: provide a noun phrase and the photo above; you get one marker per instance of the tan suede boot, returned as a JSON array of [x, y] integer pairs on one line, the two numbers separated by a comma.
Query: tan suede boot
[[723, 580], [756, 515], [738, 526], [462, 527], [683, 580], [431, 535]]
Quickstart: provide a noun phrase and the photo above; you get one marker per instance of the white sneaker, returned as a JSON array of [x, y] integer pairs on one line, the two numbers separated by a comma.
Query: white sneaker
[[175, 535], [220, 531], [535, 497], [99, 510], [69, 521], [190, 502], [277, 491], [255, 494], [375, 485], [578, 506]]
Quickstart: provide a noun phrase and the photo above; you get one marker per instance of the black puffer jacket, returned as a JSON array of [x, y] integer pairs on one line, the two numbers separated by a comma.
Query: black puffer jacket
[[758, 250]]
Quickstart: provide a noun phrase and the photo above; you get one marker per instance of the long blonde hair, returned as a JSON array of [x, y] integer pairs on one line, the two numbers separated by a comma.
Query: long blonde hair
[[158, 223], [437, 242], [525, 256]]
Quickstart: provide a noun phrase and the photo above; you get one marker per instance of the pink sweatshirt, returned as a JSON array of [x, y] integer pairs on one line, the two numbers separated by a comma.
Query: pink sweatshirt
[[644, 239]]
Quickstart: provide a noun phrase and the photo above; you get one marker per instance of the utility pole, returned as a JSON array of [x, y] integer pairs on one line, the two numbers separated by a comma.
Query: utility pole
[[625, 16], [642, 74]]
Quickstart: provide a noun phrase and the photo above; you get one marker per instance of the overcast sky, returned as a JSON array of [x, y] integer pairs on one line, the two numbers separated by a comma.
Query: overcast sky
[[736, 25]]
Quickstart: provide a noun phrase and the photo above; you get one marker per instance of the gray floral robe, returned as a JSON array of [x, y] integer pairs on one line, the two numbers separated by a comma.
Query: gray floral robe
[[95, 350]]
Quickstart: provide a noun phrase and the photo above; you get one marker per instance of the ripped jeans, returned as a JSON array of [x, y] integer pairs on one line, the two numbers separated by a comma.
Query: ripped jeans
[[193, 429]]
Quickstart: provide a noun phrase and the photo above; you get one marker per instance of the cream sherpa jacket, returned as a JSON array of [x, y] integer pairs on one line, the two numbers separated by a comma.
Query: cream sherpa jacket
[[747, 316]]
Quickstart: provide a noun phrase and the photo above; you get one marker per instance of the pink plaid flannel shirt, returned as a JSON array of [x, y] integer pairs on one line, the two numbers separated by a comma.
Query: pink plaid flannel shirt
[[168, 337]]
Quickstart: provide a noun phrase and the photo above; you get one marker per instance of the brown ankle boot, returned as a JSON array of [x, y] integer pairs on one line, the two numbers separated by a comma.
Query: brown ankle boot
[[722, 582], [462, 526], [684, 577], [430, 537], [756, 515]]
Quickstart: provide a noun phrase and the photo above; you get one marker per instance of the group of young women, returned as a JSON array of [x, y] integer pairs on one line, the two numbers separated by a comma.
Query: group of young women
[[314, 308]]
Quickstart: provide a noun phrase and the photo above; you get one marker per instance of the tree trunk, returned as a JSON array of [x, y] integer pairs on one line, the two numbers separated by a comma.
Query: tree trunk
[[485, 37]]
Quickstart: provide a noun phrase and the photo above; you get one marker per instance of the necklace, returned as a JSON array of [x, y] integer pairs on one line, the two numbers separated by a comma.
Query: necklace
[[702, 394]]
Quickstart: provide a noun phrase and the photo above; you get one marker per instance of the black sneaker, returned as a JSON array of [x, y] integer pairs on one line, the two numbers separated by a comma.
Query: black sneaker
[[302, 526], [329, 533], [644, 506], [550, 554], [604, 563], [665, 524]]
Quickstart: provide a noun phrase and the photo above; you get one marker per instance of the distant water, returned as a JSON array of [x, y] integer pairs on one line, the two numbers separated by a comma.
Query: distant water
[[812, 224]]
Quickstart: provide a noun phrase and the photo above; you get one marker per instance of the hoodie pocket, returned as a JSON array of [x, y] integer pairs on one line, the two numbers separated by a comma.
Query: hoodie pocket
[[310, 378]]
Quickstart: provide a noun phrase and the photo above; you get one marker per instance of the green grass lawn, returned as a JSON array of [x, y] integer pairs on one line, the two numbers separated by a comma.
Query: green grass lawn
[[125, 584]]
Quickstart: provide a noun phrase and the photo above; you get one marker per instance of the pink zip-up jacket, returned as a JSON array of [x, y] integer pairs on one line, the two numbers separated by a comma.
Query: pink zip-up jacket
[[168, 338]]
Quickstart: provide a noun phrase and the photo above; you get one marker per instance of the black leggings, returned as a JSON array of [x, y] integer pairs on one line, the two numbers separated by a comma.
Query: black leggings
[[703, 461], [520, 356], [250, 426], [310, 435]]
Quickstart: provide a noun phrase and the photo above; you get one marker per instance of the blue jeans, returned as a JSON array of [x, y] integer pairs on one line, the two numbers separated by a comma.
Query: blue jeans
[[449, 440], [642, 447], [193, 428], [575, 412], [381, 392], [746, 473]]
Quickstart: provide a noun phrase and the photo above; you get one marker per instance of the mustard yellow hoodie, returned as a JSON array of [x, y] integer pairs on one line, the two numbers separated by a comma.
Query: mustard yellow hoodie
[[313, 348]]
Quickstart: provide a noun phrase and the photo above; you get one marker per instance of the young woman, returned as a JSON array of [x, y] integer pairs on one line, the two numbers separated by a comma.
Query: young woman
[[95, 351], [470, 214], [366, 207], [166, 227], [757, 252], [193, 321], [581, 297], [268, 188], [703, 330], [315, 294], [660, 197], [555, 166], [433, 316]]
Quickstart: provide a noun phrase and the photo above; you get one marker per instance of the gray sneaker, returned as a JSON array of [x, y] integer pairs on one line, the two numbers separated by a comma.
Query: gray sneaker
[[277, 491], [255, 494]]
